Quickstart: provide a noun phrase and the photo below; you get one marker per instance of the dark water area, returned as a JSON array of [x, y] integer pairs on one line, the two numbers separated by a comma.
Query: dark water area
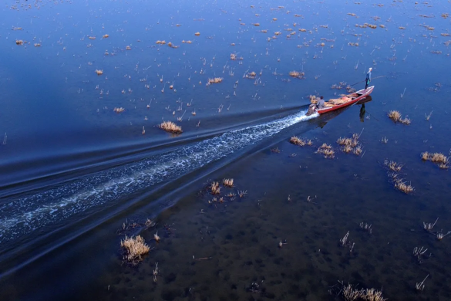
[[76, 177]]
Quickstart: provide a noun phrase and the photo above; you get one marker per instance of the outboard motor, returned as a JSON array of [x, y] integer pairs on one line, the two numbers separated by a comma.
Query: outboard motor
[[311, 109]]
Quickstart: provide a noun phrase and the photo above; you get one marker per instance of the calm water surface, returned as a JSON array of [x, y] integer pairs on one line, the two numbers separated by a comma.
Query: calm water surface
[[74, 173]]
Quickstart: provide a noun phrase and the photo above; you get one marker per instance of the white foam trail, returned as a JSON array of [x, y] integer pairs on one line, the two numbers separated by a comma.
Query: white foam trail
[[26, 214]]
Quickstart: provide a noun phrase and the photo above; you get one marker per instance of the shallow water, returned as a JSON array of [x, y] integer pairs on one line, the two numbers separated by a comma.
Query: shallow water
[[73, 171]]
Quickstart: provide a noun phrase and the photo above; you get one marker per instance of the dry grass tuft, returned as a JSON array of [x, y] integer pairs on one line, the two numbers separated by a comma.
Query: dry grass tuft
[[134, 248], [214, 188], [350, 144], [298, 141], [438, 158], [296, 74], [227, 183], [402, 186], [326, 150], [393, 166], [170, 127], [425, 156], [349, 294], [394, 115], [215, 80], [358, 150]]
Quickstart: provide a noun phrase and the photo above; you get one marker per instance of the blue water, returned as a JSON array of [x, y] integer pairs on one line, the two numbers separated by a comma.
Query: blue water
[[67, 157]]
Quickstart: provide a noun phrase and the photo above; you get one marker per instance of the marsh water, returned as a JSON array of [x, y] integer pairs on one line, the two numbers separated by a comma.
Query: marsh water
[[76, 176]]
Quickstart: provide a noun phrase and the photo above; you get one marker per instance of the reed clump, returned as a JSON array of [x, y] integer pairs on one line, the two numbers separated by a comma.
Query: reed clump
[[215, 80], [401, 185], [438, 158], [170, 127], [135, 248], [214, 188], [370, 294], [393, 166], [296, 74], [397, 117], [298, 141], [227, 183], [350, 144], [326, 150]]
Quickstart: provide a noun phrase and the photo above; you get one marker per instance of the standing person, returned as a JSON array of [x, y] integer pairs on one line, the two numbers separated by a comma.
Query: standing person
[[320, 103], [368, 78]]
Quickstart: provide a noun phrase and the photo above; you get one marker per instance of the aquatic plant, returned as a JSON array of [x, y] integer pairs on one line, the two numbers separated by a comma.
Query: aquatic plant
[[156, 237], [394, 115], [420, 285], [215, 80], [214, 188], [358, 150], [99, 72], [438, 158], [227, 183], [402, 186], [440, 235], [326, 150], [242, 193], [429, 226], [367, 227], [119, 110], [155, 272], [296, 74], [170, 127], [298, 141], [425, 156], [134, 247], [370, 294], [393, 166]]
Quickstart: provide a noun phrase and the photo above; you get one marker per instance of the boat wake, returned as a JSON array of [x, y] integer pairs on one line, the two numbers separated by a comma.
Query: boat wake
[[25, 214]]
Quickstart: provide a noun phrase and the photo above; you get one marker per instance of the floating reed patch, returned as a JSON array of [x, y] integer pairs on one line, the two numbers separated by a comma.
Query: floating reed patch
[[297, 74], [349, 293], [99, 72], [326, 150], [215, 80], [400, 184], [170, 127], [227, 183], [350, 145], [214, 188], [393, 166], [438, 158], [397, 117], [298, 141], [134, 248]]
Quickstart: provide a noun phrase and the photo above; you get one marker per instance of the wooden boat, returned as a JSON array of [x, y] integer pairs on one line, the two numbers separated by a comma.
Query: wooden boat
[[344, 101]]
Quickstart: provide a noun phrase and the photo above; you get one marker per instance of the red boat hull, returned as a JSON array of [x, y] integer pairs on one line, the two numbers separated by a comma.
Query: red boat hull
[[361, 95]]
